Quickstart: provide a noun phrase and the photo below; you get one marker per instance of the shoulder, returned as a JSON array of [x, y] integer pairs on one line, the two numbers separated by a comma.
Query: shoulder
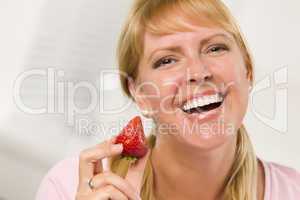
[[282, 182], [61, 181], [283, 173]]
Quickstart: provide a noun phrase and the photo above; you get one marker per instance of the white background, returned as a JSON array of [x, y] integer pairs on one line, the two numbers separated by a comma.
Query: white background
[[79, 37]]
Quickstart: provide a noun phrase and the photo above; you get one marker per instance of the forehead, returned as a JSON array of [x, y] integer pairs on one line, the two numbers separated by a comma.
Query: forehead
[[193, 33]]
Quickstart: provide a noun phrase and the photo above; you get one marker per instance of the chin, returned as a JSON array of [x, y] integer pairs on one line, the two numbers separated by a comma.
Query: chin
[[206, 136], [205, 130]]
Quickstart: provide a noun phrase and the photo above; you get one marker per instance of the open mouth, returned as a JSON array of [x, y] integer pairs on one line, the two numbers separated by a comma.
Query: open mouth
[[203, 104], [206, 108]]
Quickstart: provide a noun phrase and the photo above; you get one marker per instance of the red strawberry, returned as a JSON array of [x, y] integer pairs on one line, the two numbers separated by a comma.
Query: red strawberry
[[133, 139]]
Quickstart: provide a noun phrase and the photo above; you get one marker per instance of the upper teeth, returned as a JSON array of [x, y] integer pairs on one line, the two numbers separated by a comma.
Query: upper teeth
[[202, 101]]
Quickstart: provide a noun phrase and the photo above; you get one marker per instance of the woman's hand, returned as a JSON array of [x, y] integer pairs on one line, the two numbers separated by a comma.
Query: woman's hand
[[105, 184]]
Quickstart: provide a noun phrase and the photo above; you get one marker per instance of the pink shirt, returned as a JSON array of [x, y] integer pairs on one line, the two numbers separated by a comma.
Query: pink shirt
[[281, 182]]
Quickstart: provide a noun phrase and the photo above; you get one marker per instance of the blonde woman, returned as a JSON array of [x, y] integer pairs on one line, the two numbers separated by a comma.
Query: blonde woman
[[188, 69]]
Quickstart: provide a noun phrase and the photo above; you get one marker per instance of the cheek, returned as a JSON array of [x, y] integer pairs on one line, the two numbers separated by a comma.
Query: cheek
[[169, 85], [233, 73], [229, 70], [169, 91], [160, 89]]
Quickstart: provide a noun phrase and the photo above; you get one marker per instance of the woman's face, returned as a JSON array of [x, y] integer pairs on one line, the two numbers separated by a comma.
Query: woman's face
[[194, 83]]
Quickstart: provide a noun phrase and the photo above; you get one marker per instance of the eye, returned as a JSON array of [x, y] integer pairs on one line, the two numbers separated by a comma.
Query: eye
[[217, 49], [164, 61]]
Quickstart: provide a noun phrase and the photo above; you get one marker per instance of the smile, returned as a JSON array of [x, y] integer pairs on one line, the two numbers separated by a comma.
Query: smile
[[203, 104]]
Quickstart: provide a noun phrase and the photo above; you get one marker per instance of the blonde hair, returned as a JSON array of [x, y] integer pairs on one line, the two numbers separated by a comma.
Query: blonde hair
[[156, 17]]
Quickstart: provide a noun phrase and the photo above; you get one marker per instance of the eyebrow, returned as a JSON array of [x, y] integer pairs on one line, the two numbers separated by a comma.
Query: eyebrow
[[178, 48]]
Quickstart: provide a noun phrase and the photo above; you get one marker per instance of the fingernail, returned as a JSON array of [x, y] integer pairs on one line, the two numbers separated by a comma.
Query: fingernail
[[117, 147]]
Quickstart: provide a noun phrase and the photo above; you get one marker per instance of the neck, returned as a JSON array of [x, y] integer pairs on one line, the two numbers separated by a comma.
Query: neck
[[192, 172]]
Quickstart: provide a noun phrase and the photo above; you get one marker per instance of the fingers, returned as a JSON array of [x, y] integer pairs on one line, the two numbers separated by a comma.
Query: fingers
[[106, 164], [98, 167], [89, 161], [106, 193], [94, 163], [110, 193], [109, 178], [136, 171]]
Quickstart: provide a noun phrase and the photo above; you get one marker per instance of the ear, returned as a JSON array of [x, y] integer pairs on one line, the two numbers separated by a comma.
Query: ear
[[139, 98]]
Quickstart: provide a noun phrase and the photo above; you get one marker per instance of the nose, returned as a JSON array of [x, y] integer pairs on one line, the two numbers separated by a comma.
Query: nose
[[198, 72]]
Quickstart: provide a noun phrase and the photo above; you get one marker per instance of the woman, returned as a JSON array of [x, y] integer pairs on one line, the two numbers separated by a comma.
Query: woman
[[188, 69]]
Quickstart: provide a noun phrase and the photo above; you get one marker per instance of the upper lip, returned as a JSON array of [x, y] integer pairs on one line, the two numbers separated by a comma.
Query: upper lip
[[201, 94]]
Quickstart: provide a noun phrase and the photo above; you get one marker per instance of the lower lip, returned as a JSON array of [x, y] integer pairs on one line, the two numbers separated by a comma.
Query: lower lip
[[206, 116]]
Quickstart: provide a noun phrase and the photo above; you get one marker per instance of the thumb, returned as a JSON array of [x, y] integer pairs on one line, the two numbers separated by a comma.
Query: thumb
[[136, 171]]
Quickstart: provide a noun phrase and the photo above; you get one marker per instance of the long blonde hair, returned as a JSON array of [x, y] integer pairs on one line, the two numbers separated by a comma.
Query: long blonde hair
[[156, 17]]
